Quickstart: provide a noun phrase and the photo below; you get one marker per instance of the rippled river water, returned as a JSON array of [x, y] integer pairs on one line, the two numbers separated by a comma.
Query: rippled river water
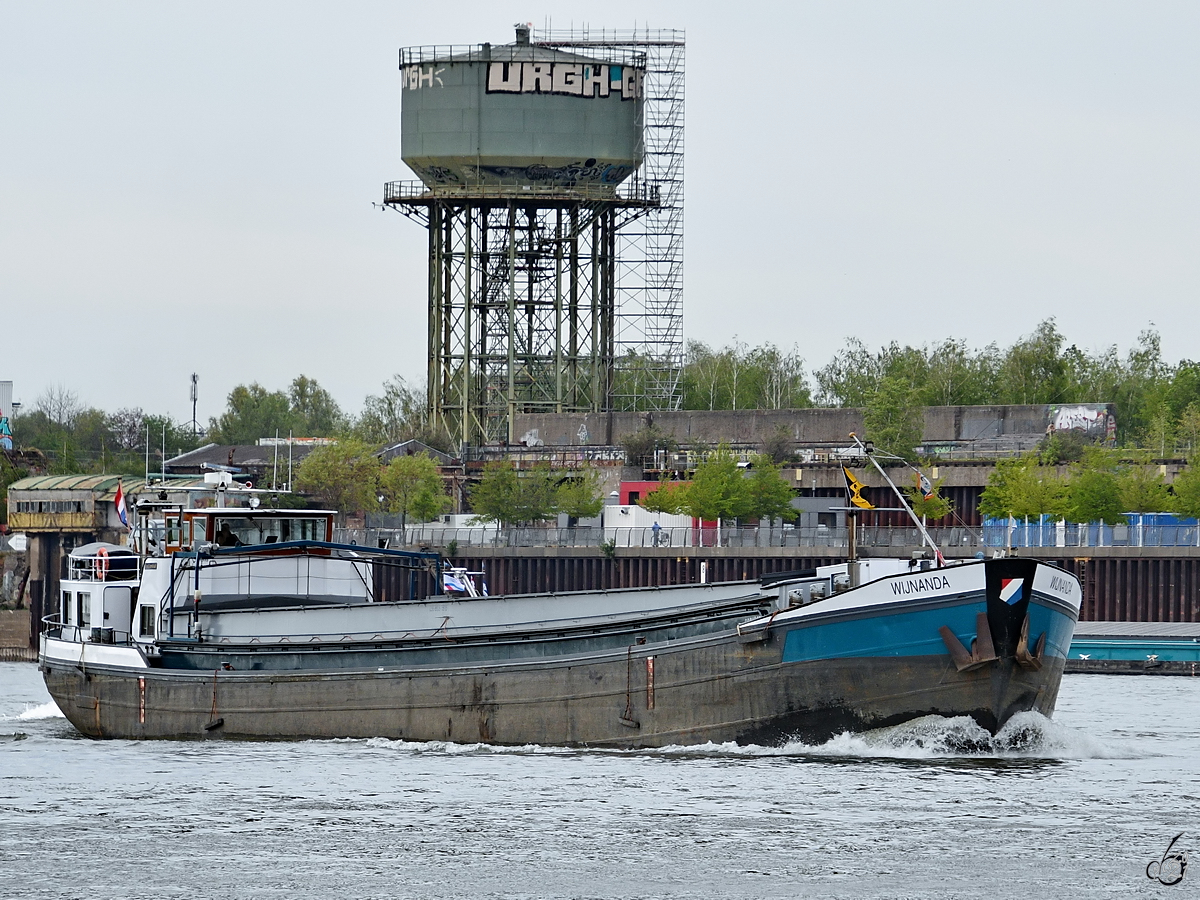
[[1073, 807]]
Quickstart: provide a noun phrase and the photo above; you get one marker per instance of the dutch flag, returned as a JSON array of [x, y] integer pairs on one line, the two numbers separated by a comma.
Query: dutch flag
[[1010, 589], [119, 503]]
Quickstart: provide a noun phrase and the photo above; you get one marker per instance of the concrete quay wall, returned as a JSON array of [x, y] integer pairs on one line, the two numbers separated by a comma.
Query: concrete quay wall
[[818, 426]]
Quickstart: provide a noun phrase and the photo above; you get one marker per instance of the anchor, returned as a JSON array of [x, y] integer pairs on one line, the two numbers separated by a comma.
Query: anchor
[[1025, 659], [982, 650]]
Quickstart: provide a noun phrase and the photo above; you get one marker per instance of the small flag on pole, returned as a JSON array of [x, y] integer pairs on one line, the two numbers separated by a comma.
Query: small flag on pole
[[119, 503], [926, 488], [854, 488]]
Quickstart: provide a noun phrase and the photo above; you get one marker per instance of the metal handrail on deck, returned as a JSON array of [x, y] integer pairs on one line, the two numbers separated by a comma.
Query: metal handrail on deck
[[631, 194], [611, 53]]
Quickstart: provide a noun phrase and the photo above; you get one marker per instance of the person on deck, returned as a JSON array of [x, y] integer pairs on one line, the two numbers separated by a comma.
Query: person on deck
[[226, 538]]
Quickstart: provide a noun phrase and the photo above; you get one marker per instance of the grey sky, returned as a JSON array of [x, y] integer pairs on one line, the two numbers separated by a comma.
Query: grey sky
[[188, 187]]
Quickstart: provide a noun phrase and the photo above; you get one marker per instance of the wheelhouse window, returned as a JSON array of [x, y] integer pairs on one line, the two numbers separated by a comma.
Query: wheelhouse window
[[178, 533], [83, 608], [240, 531], [64, 611]]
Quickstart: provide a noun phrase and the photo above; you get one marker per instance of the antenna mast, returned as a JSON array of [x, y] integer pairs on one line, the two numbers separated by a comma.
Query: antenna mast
[[195, 394]]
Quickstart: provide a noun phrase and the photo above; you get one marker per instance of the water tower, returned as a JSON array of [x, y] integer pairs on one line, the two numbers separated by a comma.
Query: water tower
[[530, 157]]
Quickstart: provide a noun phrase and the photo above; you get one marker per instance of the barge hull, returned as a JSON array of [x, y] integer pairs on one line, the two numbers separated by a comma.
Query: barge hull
[[628, 701]]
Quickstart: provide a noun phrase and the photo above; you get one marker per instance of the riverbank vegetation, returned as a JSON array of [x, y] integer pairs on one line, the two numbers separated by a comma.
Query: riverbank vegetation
[[1157, 403]]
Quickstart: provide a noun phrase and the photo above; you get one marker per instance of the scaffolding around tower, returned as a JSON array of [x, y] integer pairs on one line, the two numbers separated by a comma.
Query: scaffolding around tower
[[649, 287]]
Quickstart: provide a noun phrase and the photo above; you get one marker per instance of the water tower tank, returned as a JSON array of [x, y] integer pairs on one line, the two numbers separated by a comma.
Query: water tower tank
[[521, 115]]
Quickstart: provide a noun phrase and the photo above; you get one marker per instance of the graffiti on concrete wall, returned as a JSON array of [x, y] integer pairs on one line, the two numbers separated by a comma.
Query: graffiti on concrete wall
[[1094, 421]]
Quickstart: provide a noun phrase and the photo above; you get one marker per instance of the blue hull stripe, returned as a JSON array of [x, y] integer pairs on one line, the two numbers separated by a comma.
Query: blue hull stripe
[[1058, 626], [915, 633]]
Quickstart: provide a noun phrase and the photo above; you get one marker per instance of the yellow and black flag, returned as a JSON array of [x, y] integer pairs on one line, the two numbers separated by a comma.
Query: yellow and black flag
[[854, 488]]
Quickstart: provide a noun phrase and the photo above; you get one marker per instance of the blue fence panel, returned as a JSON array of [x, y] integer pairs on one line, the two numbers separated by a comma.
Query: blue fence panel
[[1141, 530]]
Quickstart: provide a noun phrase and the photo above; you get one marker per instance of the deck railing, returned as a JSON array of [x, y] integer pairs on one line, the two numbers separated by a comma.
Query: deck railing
[[752, 536]]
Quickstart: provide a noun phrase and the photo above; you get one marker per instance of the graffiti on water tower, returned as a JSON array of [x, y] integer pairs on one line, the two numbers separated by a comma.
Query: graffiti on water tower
[[417, 77], [571, 79], [588, 171], [572, 173], [568, 79]]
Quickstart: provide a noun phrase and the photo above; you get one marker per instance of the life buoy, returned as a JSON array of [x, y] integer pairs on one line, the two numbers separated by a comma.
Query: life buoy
[[100, 564], [249, 485]]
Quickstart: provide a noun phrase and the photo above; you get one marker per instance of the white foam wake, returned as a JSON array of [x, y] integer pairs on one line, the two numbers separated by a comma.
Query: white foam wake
[[1027, 735], [47, 710]]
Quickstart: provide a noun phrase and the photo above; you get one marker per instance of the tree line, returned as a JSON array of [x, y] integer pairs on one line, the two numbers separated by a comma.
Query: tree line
[[78, 439], [1157, 404], [349, 477], [1101, 486], [722, 488]]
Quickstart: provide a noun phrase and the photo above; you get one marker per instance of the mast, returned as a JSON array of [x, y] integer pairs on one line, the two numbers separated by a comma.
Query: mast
[[869, 451]]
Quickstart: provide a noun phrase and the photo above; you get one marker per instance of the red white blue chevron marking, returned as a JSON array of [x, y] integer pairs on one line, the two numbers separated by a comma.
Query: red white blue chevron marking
[[1010, 589]]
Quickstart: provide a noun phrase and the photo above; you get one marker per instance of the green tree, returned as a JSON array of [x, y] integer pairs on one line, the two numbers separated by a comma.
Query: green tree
[[66, 460], [344, 475], [537, 495], [779, 378], [165, 435], [251, 412], [779, 447], [1033, 369], [314, 412], [718, 490], [955, 375], [411, 486], [1142, 490], [507, 497], [640, 446], [8, 474], [894, 419], [1041, 492], [928, 508], [668, 497], [1186, 488], [400, 413], [1061, 447], [1021, 488], [494, 499], [579, 495], [1184, 387], [1189, 427], [1095, 494], [770, 494], [1159, 434]]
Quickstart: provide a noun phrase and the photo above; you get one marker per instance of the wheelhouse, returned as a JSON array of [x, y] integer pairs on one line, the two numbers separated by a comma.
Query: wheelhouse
[[189, 529]]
